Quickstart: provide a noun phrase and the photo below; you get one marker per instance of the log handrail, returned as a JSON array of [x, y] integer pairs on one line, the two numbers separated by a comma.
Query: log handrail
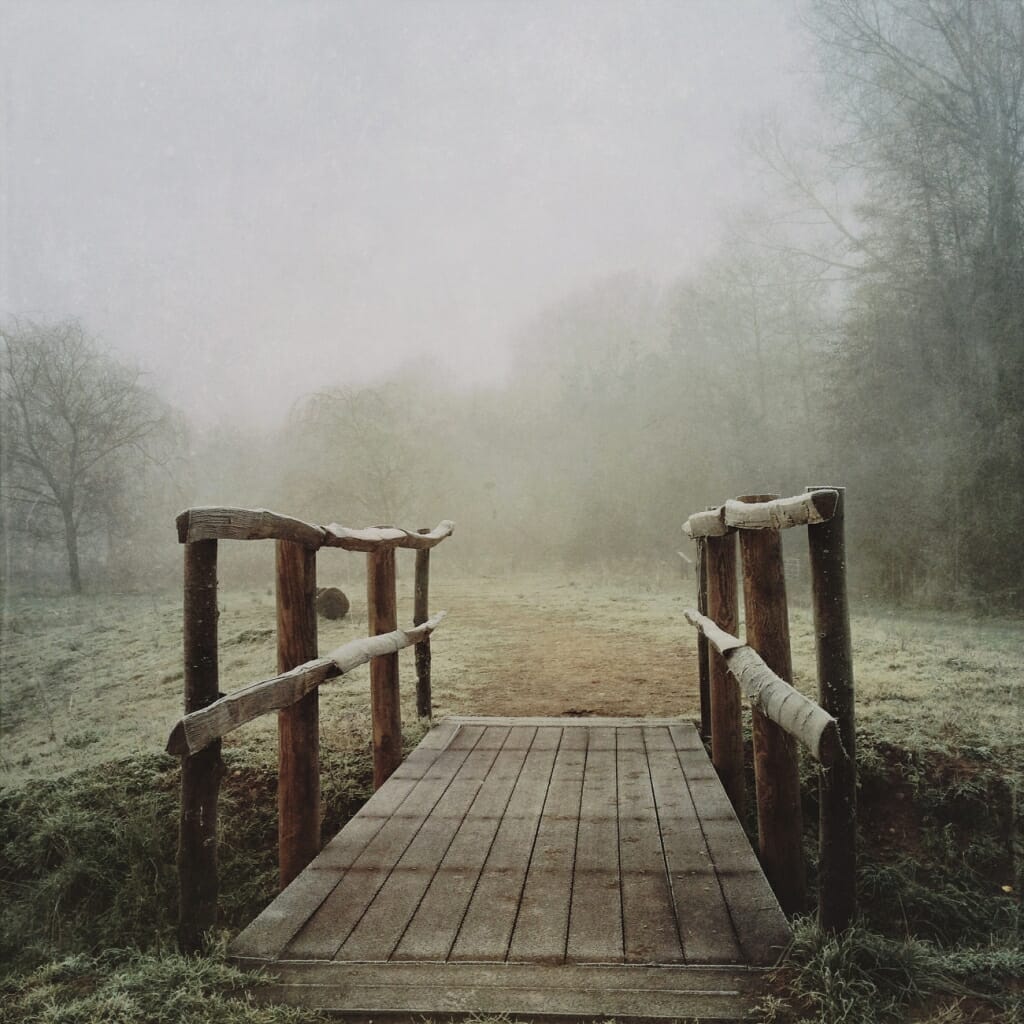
[[800, 716], [196, 731], [216, 522], [816, 506]]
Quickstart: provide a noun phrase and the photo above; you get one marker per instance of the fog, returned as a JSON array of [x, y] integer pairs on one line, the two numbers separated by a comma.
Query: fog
[[564, 272], [253, 201]]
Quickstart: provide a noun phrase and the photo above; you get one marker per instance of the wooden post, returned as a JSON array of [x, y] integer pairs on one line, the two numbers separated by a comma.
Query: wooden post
[[201, 773], [726, 707], [421, 612], [776, 760], [298, 726], [702, 641], [837, 821], [384, 695]]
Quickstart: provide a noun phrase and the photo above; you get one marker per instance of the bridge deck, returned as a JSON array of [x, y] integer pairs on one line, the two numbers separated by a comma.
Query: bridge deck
[[555, 866]]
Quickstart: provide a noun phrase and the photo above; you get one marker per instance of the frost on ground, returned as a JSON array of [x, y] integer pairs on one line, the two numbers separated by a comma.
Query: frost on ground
[[86, 680]]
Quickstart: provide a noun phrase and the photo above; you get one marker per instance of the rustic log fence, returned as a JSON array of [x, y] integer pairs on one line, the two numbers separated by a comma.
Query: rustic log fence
[[293, 693], [762, 669]]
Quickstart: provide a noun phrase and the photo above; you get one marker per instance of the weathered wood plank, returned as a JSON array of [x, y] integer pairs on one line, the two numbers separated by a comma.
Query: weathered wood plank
[[413, 991], [649, 928], [210, 522], [542, 926], [595, 920], [267, 936], [378, 932], [705, 926], [487, 927], [322, 935], [432, 931]]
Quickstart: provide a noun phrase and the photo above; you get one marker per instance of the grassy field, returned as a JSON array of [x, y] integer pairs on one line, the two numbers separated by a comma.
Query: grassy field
[[90, 687]]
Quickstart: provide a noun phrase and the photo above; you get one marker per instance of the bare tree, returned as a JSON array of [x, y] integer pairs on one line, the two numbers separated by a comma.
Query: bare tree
[[71, 417]]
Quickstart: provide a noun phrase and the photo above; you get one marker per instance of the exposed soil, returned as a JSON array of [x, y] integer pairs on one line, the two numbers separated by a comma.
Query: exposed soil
[[546, 664]]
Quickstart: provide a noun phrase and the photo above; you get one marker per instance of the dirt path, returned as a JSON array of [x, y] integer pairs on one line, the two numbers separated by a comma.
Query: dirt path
[[556, 649]]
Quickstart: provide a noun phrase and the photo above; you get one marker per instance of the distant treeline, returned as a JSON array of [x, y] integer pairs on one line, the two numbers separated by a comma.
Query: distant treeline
[[865, 327]]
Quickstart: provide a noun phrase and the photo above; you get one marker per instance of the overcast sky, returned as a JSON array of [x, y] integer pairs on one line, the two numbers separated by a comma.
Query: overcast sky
[[254, 200]]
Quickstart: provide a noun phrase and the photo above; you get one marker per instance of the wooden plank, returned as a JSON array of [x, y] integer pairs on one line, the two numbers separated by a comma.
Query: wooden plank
[[379, 930], [595, 920], [322, 935], [432, 931], [412, 991], [705, 926], [570, 721], [542, 925], [648, 919], [759, 923], [267, 936], [487, 927]]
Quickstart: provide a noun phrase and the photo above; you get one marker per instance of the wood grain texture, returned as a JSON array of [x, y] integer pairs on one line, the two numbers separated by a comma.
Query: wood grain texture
[[385, 701], [421, 613], [776, 758], [298, 725], [837, 820], [493, 882], [211, 522], [194, 731], [726, 707], [201, 773]]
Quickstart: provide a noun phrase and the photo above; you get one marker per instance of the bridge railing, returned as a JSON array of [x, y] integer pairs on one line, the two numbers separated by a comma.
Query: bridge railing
[[293, 693], [762, 667]]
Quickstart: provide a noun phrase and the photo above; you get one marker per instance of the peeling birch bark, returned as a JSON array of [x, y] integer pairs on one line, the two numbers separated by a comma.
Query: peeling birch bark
[[800, 716]]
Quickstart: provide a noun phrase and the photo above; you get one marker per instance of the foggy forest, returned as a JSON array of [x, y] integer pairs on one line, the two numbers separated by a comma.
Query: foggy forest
[[563, 273], [850, 312]]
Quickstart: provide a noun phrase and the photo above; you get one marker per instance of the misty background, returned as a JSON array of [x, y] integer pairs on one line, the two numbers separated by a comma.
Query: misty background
[[562, 272]]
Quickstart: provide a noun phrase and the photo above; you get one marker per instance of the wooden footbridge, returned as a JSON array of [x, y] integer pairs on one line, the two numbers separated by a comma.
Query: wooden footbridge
[[535, 867]]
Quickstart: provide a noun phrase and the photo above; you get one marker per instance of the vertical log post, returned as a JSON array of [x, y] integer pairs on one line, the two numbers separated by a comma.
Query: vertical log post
[[384, 695], [702, 641], [298, 726], [776, 758], [201, 773], [421, 612], [837, 822], [726, 709]]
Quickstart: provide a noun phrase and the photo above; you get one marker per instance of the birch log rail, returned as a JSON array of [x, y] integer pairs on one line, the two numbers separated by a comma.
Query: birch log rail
[[800, 716], [800, 510], [196, 731], [209, 522]]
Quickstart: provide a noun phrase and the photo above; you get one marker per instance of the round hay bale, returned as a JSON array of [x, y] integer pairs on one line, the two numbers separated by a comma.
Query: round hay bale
[[331, 603]]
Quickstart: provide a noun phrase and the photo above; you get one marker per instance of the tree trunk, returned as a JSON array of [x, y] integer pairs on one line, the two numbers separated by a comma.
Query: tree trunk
[[71, 539]]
